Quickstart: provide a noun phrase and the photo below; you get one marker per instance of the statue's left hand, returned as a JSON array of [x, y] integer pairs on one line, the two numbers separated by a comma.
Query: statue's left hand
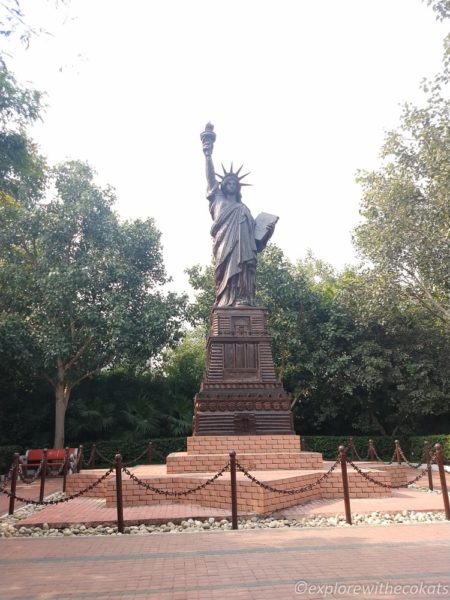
[[270, 230]]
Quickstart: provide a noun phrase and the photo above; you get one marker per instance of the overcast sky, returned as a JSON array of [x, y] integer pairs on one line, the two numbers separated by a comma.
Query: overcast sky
[[300, 91]]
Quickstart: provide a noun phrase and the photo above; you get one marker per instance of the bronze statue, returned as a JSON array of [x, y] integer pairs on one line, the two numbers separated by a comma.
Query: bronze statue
[[238, 237]]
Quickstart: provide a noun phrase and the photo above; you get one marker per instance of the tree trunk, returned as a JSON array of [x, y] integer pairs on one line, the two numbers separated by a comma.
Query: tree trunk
[[376, 422], [62, 395]]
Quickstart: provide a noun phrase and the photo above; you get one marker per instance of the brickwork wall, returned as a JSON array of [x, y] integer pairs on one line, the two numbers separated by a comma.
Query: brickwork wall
[[358, 486], [182, 462], [399, 474], [252, 498], [224, 444], [79, 481]]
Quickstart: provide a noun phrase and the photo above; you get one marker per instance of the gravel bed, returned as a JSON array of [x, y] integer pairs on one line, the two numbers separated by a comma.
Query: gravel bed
[[10, 525]]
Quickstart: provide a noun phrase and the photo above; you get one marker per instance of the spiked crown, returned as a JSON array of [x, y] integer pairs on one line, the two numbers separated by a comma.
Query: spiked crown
[[231, 173]]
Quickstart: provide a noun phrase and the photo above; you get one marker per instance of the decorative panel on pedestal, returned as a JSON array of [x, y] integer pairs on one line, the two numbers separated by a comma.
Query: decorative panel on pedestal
[[240, 393]]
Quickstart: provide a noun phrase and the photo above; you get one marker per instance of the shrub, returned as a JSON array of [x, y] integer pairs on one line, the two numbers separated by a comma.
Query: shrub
[[417, 442], [6, 457], [131, 449], [328, 445]]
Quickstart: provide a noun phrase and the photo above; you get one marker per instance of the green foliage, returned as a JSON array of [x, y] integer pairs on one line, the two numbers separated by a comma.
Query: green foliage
[[6, 457], [15, 23], [405, 203], [441, 8], [202, 281], [18, 106], [416, 445], [22, 169], [329, 445], [357, 355], [131, 449], [182, 370], [80, 290]]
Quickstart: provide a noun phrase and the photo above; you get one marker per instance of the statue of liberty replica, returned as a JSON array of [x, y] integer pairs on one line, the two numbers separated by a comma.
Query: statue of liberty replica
[[240, 393]]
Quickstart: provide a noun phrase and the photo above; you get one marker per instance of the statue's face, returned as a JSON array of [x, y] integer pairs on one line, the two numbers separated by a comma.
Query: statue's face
[[231, 185]]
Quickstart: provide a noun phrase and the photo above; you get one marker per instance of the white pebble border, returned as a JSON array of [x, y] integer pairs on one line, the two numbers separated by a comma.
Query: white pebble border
[[10, 524]]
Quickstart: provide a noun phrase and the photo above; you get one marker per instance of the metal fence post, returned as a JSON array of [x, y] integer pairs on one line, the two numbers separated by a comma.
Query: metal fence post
[[371, 451], [66, 467], [91, 461], [426, 451], [440, 462], [343, 457], [43, 475], [80, 458], [352, 449], [397, 452], [234, 516], [149, 452], [119, 499], [14, 475]]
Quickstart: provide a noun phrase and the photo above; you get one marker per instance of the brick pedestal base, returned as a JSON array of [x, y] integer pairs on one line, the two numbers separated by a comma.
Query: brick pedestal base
[[252, 498], [207, 455], [182, 462]]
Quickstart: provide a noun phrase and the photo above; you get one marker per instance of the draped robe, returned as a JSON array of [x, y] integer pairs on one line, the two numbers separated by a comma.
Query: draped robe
[[234, 250]]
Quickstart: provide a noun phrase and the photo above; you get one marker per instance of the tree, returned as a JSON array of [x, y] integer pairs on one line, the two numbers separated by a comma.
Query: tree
[[399, 373], [201, 280], [22, 169], [356, 355], [15, 21], [181, 373], [85, 286], [441, 8], [406, 203]]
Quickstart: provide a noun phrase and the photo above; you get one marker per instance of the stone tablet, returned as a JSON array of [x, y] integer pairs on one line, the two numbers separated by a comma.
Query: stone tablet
[[263, 222]]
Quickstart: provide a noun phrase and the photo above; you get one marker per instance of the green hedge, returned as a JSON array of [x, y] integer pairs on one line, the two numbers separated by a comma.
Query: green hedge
[[6, 457], [130, 450], [328, 445], [417, 441]]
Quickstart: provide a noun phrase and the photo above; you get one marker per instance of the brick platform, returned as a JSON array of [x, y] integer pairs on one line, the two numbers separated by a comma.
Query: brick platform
[[93, 511], [256, 452], [252, 498], [275, 460]]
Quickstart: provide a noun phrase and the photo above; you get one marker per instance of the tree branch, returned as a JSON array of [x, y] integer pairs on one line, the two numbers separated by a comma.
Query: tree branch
[[90, 373], [49, 379], [78, 354], [438, 308]]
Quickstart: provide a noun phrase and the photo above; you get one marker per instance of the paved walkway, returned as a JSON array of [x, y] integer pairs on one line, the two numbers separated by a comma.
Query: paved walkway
[[52, 484], [92, 511], [263, 564]]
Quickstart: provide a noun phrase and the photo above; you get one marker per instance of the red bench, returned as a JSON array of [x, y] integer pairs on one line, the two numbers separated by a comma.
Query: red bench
[[32, 458]]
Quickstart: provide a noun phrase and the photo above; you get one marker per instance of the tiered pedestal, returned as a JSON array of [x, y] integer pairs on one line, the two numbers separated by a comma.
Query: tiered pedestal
[[241, 407], [240, 393], [254, 452]]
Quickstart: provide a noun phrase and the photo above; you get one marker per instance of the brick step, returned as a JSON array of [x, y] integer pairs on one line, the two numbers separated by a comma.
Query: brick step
[[184, 462], [224, 444], [252, 498]]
